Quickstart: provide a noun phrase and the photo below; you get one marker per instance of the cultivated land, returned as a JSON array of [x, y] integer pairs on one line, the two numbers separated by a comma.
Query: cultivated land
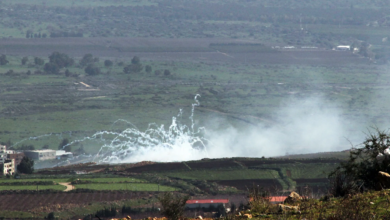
[[138, 185], [251, 62]]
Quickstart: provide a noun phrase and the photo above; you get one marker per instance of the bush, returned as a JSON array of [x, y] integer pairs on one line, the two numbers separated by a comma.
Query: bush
[[364, 163], [26, 166], [259, 200], [173, 206], [92, 70]]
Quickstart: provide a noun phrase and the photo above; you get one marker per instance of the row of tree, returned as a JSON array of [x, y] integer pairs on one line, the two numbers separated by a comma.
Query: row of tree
[[59, 61]]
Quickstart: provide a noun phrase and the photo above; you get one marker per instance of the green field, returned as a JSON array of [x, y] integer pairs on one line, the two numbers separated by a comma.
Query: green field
[[225, 174], [125, 186], [113, 180], [31, 187]]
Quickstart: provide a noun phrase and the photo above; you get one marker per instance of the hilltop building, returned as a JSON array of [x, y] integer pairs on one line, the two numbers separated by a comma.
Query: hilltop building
[[41, 154]]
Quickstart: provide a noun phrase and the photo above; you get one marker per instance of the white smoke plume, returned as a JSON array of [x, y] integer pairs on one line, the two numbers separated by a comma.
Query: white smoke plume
[[301, 126]]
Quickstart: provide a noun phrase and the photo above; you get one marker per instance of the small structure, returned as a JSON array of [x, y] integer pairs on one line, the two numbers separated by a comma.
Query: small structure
[[41, 154], [61, 154], [8, 167], [205, 203], [343, 47]]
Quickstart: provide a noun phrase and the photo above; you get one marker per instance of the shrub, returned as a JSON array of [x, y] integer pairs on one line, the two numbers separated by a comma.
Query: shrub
[[365, 163], [173, 206]]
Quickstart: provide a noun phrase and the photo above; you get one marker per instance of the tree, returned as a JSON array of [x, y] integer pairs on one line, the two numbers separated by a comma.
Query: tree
[[167, 72], [108, 63], [364, 163], [64, 145], [92, 70], [132, 68], [51, 216], [46, 146], [173, 206], [61, 60], [24, 60], [38, 61], [3, 60], [86, 60], [148, 69], [26, 166], [136, 60], [51, 68]]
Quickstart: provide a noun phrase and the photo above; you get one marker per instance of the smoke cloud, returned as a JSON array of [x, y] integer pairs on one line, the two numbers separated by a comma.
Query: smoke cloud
[[301, 126]]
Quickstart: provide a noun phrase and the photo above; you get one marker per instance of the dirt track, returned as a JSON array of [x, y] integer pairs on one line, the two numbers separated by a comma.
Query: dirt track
[[68, 186]]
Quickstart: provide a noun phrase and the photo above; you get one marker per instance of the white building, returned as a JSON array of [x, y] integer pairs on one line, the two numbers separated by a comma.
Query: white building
[[343, 47], [8, 167], [61, 154], [40, 154]]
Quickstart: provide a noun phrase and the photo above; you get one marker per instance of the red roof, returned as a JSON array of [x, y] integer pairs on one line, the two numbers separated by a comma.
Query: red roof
[[202, 201], [277, 198]]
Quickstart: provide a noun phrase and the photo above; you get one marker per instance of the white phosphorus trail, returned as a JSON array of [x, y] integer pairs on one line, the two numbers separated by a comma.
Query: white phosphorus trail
[[178, 142]]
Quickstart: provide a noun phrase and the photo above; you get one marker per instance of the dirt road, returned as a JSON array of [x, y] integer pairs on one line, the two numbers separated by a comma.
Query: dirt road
[[69, 187]]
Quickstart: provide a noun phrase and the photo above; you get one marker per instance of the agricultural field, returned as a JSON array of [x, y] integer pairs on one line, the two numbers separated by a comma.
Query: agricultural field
[[126, 186], [117, 79]]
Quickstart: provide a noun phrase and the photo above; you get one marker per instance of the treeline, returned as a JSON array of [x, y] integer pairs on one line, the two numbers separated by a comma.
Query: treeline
[[30, 34]]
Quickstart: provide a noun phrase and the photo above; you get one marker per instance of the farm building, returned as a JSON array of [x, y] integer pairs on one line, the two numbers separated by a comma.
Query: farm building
[[206, 203], [343, 47], [40, 154], [8, 167]]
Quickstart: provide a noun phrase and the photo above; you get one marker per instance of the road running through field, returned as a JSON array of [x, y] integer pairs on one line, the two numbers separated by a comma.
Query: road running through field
[[68, 186]]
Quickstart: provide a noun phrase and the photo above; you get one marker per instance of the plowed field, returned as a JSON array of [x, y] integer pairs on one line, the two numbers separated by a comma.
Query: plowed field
[[26, 202]]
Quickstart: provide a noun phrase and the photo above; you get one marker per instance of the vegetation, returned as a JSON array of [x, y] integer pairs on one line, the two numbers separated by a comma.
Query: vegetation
[[173, 206], [26, 166], [364, 163]]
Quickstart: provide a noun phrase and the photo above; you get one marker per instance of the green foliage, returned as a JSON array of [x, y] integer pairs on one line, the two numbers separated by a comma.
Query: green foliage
[[92, 70], [64, 145], [136, 60], [50, 216], [61, 60], [24, 60], [167, 72], [3, 60], [51, 68], [108, 63], [259, 200], [86, 60], [365, 163], [173, 205], [38, 61], [107, 212], [148, 69], [26, 166]]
